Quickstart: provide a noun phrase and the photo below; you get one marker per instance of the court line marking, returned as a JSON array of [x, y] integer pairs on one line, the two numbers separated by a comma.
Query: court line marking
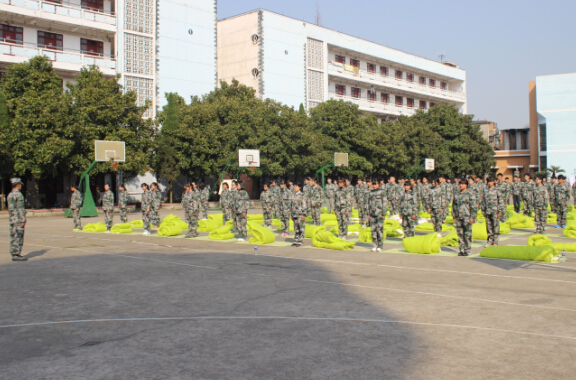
[[313, 319]]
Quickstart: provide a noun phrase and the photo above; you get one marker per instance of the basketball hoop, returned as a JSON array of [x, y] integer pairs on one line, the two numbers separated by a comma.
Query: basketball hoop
[[114, 164], [251, 165]]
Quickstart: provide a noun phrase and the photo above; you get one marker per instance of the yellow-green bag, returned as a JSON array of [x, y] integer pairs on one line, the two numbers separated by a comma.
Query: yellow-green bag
[[95, 227], [262, 235], [255, 217], [207, 225], [137, 224], [534, 253], [325, 239], [222, 233], [430, 227], [423, 244], [450, 240], [169, 230], [568, 247], [569, 231], [122, 228], [326, 217], [538, 240], [218, 218], [366, 235], [310, 230]]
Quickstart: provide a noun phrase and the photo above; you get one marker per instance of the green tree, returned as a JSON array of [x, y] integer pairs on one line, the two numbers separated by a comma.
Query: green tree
[[5, 157], [37, 134], [301, 110], [102, 111], [554, 169]]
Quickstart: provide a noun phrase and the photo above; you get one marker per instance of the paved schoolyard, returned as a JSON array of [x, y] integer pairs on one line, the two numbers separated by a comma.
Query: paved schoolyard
[[100, 306]]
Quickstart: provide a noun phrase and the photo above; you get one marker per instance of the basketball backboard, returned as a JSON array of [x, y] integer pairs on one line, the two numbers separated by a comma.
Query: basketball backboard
[[429, 164], [110, 151], [340, 159], [248, 158]]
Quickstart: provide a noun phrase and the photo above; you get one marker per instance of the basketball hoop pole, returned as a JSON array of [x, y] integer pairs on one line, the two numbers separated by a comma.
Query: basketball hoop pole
[[321, 171], [88, 207]]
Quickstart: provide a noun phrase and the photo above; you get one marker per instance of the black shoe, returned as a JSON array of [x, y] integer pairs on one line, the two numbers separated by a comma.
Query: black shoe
[[296, 244], [18, 258], [462, 254]]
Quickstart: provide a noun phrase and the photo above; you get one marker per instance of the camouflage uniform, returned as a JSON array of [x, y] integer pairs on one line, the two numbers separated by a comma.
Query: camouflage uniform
[[298, 209], [341, 204], [285, 196], [562, 197], [329, 189], [351, 201], [394, 191], [205, 198], [275, 190], [195, 204], [492, 204], [447, 195], [362, 199], [408, 210], [122, 203], [527, 197], [377, 207], [242, 204], [267, 202], [551, 187], [108, 207], [232, 202], [540, 208], [315, 203], [75, 205], [574, 191], [503, 189], [464, 210], [146, 203], [517, 195], [155, 207], [225, 204], [17, 217], [436, 207], [425, 189]]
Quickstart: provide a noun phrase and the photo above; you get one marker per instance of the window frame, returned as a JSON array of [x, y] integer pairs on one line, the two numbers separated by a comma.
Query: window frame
[[341, 90], [371, 95], [356, 92], [384, 98], [398, 75], [40, 34], [432, 82], [16, 31], [422, 104], [443, 86], [84, 42], [371, 68], [340, 59], [355, 62], [409, 77], [398, 100], [384, 71], [422, 80], [410, 102]]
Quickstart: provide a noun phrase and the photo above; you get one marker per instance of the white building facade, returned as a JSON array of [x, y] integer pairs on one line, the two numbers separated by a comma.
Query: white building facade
[[157, 46], [295, 62]]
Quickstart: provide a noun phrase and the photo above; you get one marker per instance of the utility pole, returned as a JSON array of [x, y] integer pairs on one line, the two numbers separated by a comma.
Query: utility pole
[[318, 19]]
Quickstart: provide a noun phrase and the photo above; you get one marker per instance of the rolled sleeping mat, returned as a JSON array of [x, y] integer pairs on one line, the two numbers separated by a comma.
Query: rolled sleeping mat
[[218, 218], [534, 253], [207, 225], [426, 244], [262, 235], [137, 223], [325, 239], [366, 235], [222, 233], [310, 230], [169, 230], [121, 228], [95, 227], [430, 227], [538, 240]]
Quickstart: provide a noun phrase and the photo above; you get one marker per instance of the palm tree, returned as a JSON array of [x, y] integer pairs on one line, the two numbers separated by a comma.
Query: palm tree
[[555, 169]]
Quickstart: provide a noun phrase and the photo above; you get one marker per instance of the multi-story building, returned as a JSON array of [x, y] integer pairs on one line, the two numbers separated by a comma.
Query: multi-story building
[[296, 62], [157, 46]]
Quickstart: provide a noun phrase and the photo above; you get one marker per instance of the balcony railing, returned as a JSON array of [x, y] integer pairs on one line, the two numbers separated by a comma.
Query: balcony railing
[[70, 56], [377, 106], [64, 10], [391, 81]]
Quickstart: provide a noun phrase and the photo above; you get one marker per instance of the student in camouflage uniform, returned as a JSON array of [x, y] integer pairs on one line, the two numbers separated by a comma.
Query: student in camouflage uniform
[[108, 207], [408, 210], [275, 190], [562, 197], [17, 219], [156, 202], [540, 205], [267, 202], [298, 212], [306, 189], [242, 205], [205, 191], [225, 203], [285, 200], [425, 188], [75, 205], [314, 202], [492, 204], [377, 207], [122, 203], [516, 193], [362, 198], [393, 198], [528, 194], [145, 208], [447, 196], [551, 187], [187, 206], [464, 212], [194, 210], [341, 207], [436, 205], [502, 188], [329, 189], [232, 204], [574, 191]]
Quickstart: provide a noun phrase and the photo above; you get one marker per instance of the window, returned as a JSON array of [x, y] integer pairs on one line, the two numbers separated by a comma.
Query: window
[[92, 47], [354, 62], [512, 139], [542, 128], [422, 80], [371, 68], [410, 102], [340, 59], [399, 101], [371, 96], [443, 85], [422, 104], [356, 92], [398, 74], [431, 104], [432, 83], [383, 71], [50, 40], [384, 98], [410, 77], [525, 139], [340, 89], [95, 5], [11, 34]]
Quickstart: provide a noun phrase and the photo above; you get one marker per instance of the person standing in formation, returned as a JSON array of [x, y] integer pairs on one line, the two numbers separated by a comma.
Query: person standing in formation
[[408, 210], [540, 205], [574, 191], [145, 208], [341, 204], [528, 194], [205, 197], [392, 192], [561, 197], [503, 189], [315, 202], [186, 205], [242, 206], [492, 203], [329, 189], [350, 195], [275, 190], [436, 205], [123, 203], [195, 209], [298, 211], [17, 219], [285, 197], [232, 205], [517, 193], [155, 203], [225, 202], [108, 207], [425, 188], [267, 202], [551, 187], [447, 196], [362, 198], [377, 208], [464, 212], [75, 205]]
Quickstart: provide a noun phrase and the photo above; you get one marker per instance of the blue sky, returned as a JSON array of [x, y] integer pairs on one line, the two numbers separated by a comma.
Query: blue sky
[[502, 45]]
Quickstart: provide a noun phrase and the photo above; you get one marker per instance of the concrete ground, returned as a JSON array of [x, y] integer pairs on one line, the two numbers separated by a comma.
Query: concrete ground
[[101, 306]]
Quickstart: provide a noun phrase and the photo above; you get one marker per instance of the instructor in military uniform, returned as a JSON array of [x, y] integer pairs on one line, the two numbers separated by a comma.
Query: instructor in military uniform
[[17, 219]]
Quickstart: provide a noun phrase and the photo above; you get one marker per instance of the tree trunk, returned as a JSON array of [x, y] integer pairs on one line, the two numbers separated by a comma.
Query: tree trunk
[[170, 190]]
